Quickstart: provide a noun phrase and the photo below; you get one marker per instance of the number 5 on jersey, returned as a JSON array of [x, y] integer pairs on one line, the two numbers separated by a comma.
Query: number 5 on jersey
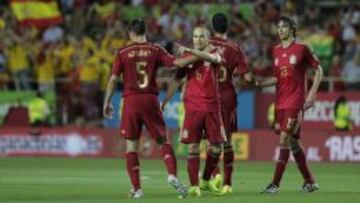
[[142, 76]]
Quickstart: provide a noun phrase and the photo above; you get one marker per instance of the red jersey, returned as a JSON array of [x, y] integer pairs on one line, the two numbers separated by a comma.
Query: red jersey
[[290, 65], [138, 62], [233, 60], [201, 91]]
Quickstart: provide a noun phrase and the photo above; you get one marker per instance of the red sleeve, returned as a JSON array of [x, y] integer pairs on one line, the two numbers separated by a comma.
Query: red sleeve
[[166, 59], [242, 65], [310, 58], [117, 68]]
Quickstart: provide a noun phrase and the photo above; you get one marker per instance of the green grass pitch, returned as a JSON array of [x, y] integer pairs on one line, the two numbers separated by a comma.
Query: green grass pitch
[[80, 180]]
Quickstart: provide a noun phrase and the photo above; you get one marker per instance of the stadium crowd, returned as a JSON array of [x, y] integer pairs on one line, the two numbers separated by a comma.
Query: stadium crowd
[[74, 58]]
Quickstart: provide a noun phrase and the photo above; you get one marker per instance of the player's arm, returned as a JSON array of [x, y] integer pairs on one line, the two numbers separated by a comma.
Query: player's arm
[[310, 100], [110, 88], [267, 82], [172, 88], [184, 62], [170, 61], [203, 55], [174, 85]]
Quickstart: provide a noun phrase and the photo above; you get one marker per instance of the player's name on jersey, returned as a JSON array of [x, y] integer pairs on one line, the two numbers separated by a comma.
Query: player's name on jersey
[[143, 53]]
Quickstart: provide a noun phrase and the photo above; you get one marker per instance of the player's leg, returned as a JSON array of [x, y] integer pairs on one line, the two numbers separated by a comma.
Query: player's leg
[[191, 135], [284, 154], [300, 158], [154, 122], [294, 129], [230, 123], [193, 167], [133, 167], [215, 134], [130, 129]]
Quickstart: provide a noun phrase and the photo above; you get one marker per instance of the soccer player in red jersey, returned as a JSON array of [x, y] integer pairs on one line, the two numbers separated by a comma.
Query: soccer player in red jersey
[[291, 60], [138, 63], [234, 60], [202, 109]]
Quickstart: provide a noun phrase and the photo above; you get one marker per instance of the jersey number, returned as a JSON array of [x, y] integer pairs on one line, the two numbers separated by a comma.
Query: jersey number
[[142, 76], [223, 74]]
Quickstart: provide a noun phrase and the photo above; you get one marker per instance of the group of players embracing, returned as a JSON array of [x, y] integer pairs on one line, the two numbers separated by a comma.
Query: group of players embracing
[[207, 71]]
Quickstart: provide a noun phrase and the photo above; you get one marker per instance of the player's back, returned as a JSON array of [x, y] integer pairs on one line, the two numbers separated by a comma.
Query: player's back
[[138, 63], [233, 60]]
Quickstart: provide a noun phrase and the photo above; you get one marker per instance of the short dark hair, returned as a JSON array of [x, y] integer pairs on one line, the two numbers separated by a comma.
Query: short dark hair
[[220, 23], [290, 22], [137, 26]]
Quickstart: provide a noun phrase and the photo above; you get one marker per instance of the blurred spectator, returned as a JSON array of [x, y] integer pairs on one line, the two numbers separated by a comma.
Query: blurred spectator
[[351, 73], [53, 34], [322, 43], [39, 111], [89, 79], [19, 63], [4, 78], [45, 69], [336, 71], [342, 115]]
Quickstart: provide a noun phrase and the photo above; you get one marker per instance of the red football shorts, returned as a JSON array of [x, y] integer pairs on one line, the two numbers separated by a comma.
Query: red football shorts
[[229, 119], [289, 121], [142, 109], [199, 125]]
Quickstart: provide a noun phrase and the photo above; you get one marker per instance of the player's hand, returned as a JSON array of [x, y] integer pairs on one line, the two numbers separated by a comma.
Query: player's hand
[[181, 49], [108, 111], [309, 102], [163, 105], [210, 48]]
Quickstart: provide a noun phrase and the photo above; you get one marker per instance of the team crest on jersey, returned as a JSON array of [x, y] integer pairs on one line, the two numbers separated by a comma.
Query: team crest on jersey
[[207, 64], [276, 61], [292, 59]]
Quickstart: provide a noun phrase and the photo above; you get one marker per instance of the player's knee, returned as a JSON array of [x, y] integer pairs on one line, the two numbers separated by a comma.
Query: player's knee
[[284, 139], [294, 144], [277, 128], [292, 126], [215, 149], [132, 145], [228, 147], [194, 148], [161, 140]]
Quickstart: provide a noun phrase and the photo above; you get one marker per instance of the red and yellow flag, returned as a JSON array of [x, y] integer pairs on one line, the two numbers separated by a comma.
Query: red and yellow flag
[[39, 13]]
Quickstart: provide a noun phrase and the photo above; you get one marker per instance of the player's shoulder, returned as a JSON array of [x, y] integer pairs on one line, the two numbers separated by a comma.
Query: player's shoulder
[[157, 46], [124, 49], [228, 43], [302, 44], [277, 47], [131, 45]]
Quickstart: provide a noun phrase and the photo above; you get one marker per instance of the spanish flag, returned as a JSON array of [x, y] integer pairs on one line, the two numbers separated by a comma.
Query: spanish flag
[[39, 13]]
